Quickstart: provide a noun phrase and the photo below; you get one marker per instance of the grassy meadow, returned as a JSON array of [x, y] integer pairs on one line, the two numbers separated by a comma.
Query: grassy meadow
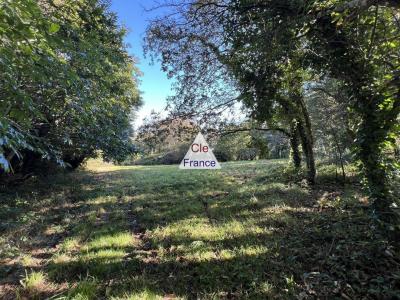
[[247, 231]]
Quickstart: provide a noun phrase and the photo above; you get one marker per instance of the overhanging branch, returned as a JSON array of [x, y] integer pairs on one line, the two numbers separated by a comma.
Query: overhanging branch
[[281, 130]]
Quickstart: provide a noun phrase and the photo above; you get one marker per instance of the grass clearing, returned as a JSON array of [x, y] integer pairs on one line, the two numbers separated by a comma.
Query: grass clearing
[[156, 232]]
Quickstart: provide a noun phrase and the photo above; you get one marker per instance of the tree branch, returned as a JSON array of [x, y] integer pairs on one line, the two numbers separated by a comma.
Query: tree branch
[[260, 129], [365, 4]]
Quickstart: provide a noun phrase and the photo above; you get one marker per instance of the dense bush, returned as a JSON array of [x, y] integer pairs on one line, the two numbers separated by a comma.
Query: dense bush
[[67, 85]]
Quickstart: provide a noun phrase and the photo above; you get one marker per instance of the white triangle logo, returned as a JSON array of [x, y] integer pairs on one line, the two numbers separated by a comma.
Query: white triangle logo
[[199, 156]]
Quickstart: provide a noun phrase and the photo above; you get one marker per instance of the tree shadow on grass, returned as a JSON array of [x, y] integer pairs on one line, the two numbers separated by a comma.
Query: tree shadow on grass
[[305, 257], [296, 250]]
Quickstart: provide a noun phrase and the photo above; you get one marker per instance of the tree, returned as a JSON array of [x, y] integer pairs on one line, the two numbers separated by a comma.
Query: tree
[[234, 139], [210, 54], [69, 85], [268, 47], [332, 122], [158, 135], [357, 43]]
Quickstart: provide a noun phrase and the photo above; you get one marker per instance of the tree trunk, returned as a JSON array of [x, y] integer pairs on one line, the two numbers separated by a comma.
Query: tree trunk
[[371, 154], [307, 145], [294, 145], [307, 141], [304, 129]]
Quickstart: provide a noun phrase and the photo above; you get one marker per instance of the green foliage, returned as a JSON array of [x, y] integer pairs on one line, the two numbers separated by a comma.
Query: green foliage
[[68, 85], [241, 142], [260, 142], [271, 52], [249, 51], [163, 140], [370, 78], [230, 145]]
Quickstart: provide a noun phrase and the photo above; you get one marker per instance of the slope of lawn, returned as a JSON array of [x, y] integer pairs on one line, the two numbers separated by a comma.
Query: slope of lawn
[[248, 230]]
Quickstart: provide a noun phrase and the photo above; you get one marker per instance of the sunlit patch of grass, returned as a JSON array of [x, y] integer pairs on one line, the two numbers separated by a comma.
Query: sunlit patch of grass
[[103, 256], [204, 231], [227, 254], [34, 282], [235, 228], [252, 250], [29, 261], [198, 253], [26, 260], [144, 295], [70, 244], [101, 200], [97, 165], [61, 258], [118, 240]]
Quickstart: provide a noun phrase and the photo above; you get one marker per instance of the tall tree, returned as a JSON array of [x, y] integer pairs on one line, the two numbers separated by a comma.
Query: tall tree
[[357, 42], [266, 46], [212, 47], [68, 84]]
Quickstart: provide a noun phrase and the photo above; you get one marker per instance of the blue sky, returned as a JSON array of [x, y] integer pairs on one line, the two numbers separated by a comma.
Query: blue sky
[[155, 85]]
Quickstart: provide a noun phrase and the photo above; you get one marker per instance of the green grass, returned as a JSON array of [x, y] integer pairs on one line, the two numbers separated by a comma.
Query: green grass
[[157, 232], [34, 286], [33, 280], [84, 290]]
